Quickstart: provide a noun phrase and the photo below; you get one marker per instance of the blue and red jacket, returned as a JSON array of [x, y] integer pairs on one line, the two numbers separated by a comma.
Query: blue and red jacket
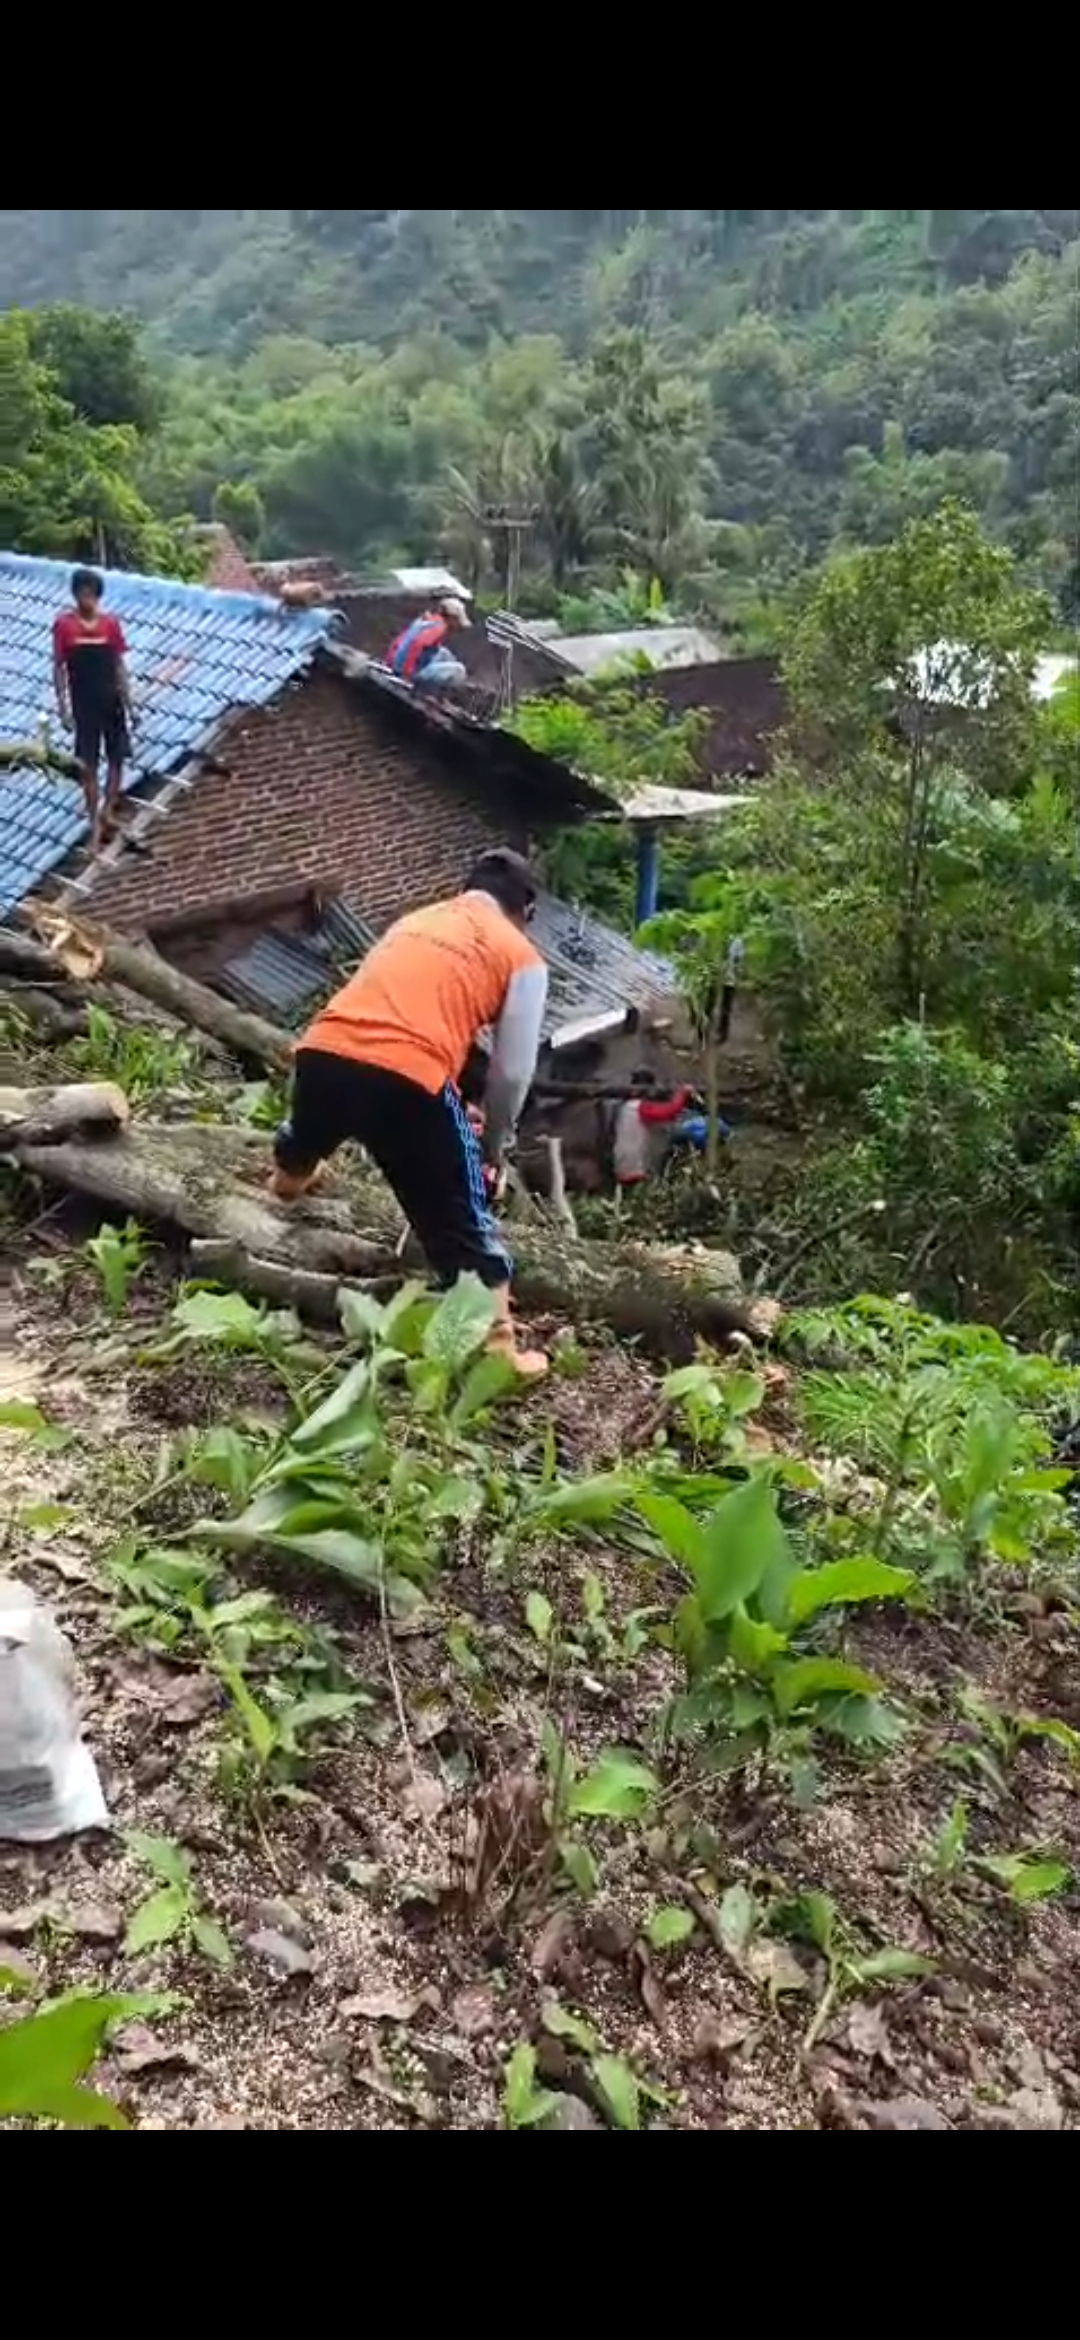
[[411, 650]]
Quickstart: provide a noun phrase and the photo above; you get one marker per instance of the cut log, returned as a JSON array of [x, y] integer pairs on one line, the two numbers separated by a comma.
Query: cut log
[[209, 1181], [46, 1017], [92, 953], [47, 1117]]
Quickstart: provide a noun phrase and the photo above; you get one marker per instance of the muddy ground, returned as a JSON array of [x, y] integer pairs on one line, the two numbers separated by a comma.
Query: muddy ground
[[372, 1986]]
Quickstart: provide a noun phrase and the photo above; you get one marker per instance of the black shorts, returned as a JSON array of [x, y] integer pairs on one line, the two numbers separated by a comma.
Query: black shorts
[[423, 1145], [101, 731]]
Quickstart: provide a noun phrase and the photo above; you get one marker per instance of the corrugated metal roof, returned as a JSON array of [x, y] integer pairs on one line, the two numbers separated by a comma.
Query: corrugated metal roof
[[195, 655], [663, 646], [591, 969], [283, 975]]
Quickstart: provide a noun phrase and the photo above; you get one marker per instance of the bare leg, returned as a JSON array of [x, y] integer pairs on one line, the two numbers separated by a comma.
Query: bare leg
[[109, 818], [92, 799]]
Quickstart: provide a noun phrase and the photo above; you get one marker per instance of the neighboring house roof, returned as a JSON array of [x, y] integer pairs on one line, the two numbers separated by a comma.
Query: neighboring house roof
[[594, 974], [374, 614], [745, 702], [485, 751], [227, 568], [282, 974], [591, 967], [196, 656], [665, 646], [431, 581], [950, 676], [648, 805]]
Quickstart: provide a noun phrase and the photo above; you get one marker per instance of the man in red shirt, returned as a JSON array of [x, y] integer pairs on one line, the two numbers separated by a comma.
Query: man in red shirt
[[635, 1151], [93, 694]]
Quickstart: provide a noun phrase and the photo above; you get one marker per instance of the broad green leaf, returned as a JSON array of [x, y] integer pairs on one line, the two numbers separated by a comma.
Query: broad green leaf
[[742, 1394], [743, 1539], [224, 1459], [539, 1615], [680, 1533], [737, 1918], [559, 2021], [753, 1646], [15, 1414], [617, 1788], [620, 2089], [665, 1927], [579, 1499], [216, 1316], [592, 1596], [841, 1582], [342, 1544], [456, 1499], [212, 1942], [38, 1517], [691, 1381], [818, 1911], [890, 1966], [14, 1985], [362, 1318], [260, 1726], [42, 2056], [158, 1919], [241, 1611], [345, 1419], [524, 2104], [321, 1706], [1026, 1880], [489, 1379], [807, 1679], [461, 1322], [160, 1855], [1061, 1734], [580, 1866]]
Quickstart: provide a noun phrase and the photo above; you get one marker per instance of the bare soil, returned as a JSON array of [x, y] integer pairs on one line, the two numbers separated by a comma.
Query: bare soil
[[370, 1989]]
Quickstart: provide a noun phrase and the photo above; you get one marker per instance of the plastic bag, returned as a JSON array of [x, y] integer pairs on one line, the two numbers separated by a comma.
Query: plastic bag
[[48, 1779]]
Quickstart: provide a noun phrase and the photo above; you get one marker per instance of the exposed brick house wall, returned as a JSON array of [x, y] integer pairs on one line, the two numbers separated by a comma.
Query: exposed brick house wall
[[320, 790]]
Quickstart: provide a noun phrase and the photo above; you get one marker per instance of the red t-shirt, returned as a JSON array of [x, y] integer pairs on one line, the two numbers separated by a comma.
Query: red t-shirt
[[91, 650]]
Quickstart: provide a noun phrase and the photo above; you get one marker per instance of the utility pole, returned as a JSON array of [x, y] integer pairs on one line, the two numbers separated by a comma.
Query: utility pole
[[510, 525]]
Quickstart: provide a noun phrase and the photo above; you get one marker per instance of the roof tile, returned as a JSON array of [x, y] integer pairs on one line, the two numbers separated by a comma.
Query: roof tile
[[195, 656]]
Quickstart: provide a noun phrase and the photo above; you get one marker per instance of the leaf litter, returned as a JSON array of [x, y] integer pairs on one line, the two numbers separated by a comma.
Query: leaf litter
[[711, 2016]]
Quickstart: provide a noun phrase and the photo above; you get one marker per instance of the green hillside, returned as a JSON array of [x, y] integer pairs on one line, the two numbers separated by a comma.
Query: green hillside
[[795, 380]]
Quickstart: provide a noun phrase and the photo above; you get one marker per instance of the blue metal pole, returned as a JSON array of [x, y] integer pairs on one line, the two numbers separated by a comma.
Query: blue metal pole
[[648, 875]]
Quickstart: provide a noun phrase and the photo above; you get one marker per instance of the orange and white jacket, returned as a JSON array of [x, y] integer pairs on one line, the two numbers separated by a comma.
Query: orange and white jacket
[[436, 980]]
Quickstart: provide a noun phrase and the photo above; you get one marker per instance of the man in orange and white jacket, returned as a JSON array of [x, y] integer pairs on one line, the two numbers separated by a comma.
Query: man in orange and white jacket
[[382, 1062]]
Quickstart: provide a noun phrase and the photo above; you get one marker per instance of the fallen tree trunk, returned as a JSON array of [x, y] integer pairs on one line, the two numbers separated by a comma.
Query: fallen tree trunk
[[208, 1181], [92, 953], [47, 1117], [48, 1019]]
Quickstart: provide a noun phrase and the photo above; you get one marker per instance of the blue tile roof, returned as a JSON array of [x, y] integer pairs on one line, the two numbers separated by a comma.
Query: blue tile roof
[[194, 655]]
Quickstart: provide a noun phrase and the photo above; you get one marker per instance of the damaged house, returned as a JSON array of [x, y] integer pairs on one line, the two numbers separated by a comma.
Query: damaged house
[[286, 803]]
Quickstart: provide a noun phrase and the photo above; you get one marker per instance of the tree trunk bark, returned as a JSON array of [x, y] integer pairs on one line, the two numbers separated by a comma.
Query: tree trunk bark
[[34, 1118], [206, 1180], [93, 953]]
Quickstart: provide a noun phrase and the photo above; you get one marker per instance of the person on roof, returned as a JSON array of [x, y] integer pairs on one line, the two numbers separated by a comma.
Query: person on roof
[[634, 1146], [419, 654], [382, 1065], [93, 695]]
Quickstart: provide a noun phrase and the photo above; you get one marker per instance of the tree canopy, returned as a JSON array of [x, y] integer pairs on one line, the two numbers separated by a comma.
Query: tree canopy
[[712, 399]]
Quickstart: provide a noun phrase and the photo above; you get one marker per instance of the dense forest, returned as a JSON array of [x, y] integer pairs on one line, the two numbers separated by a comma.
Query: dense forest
[[710, 400]]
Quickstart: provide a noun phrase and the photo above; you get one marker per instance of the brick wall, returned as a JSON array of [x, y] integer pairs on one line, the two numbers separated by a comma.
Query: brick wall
[[321, 790]]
